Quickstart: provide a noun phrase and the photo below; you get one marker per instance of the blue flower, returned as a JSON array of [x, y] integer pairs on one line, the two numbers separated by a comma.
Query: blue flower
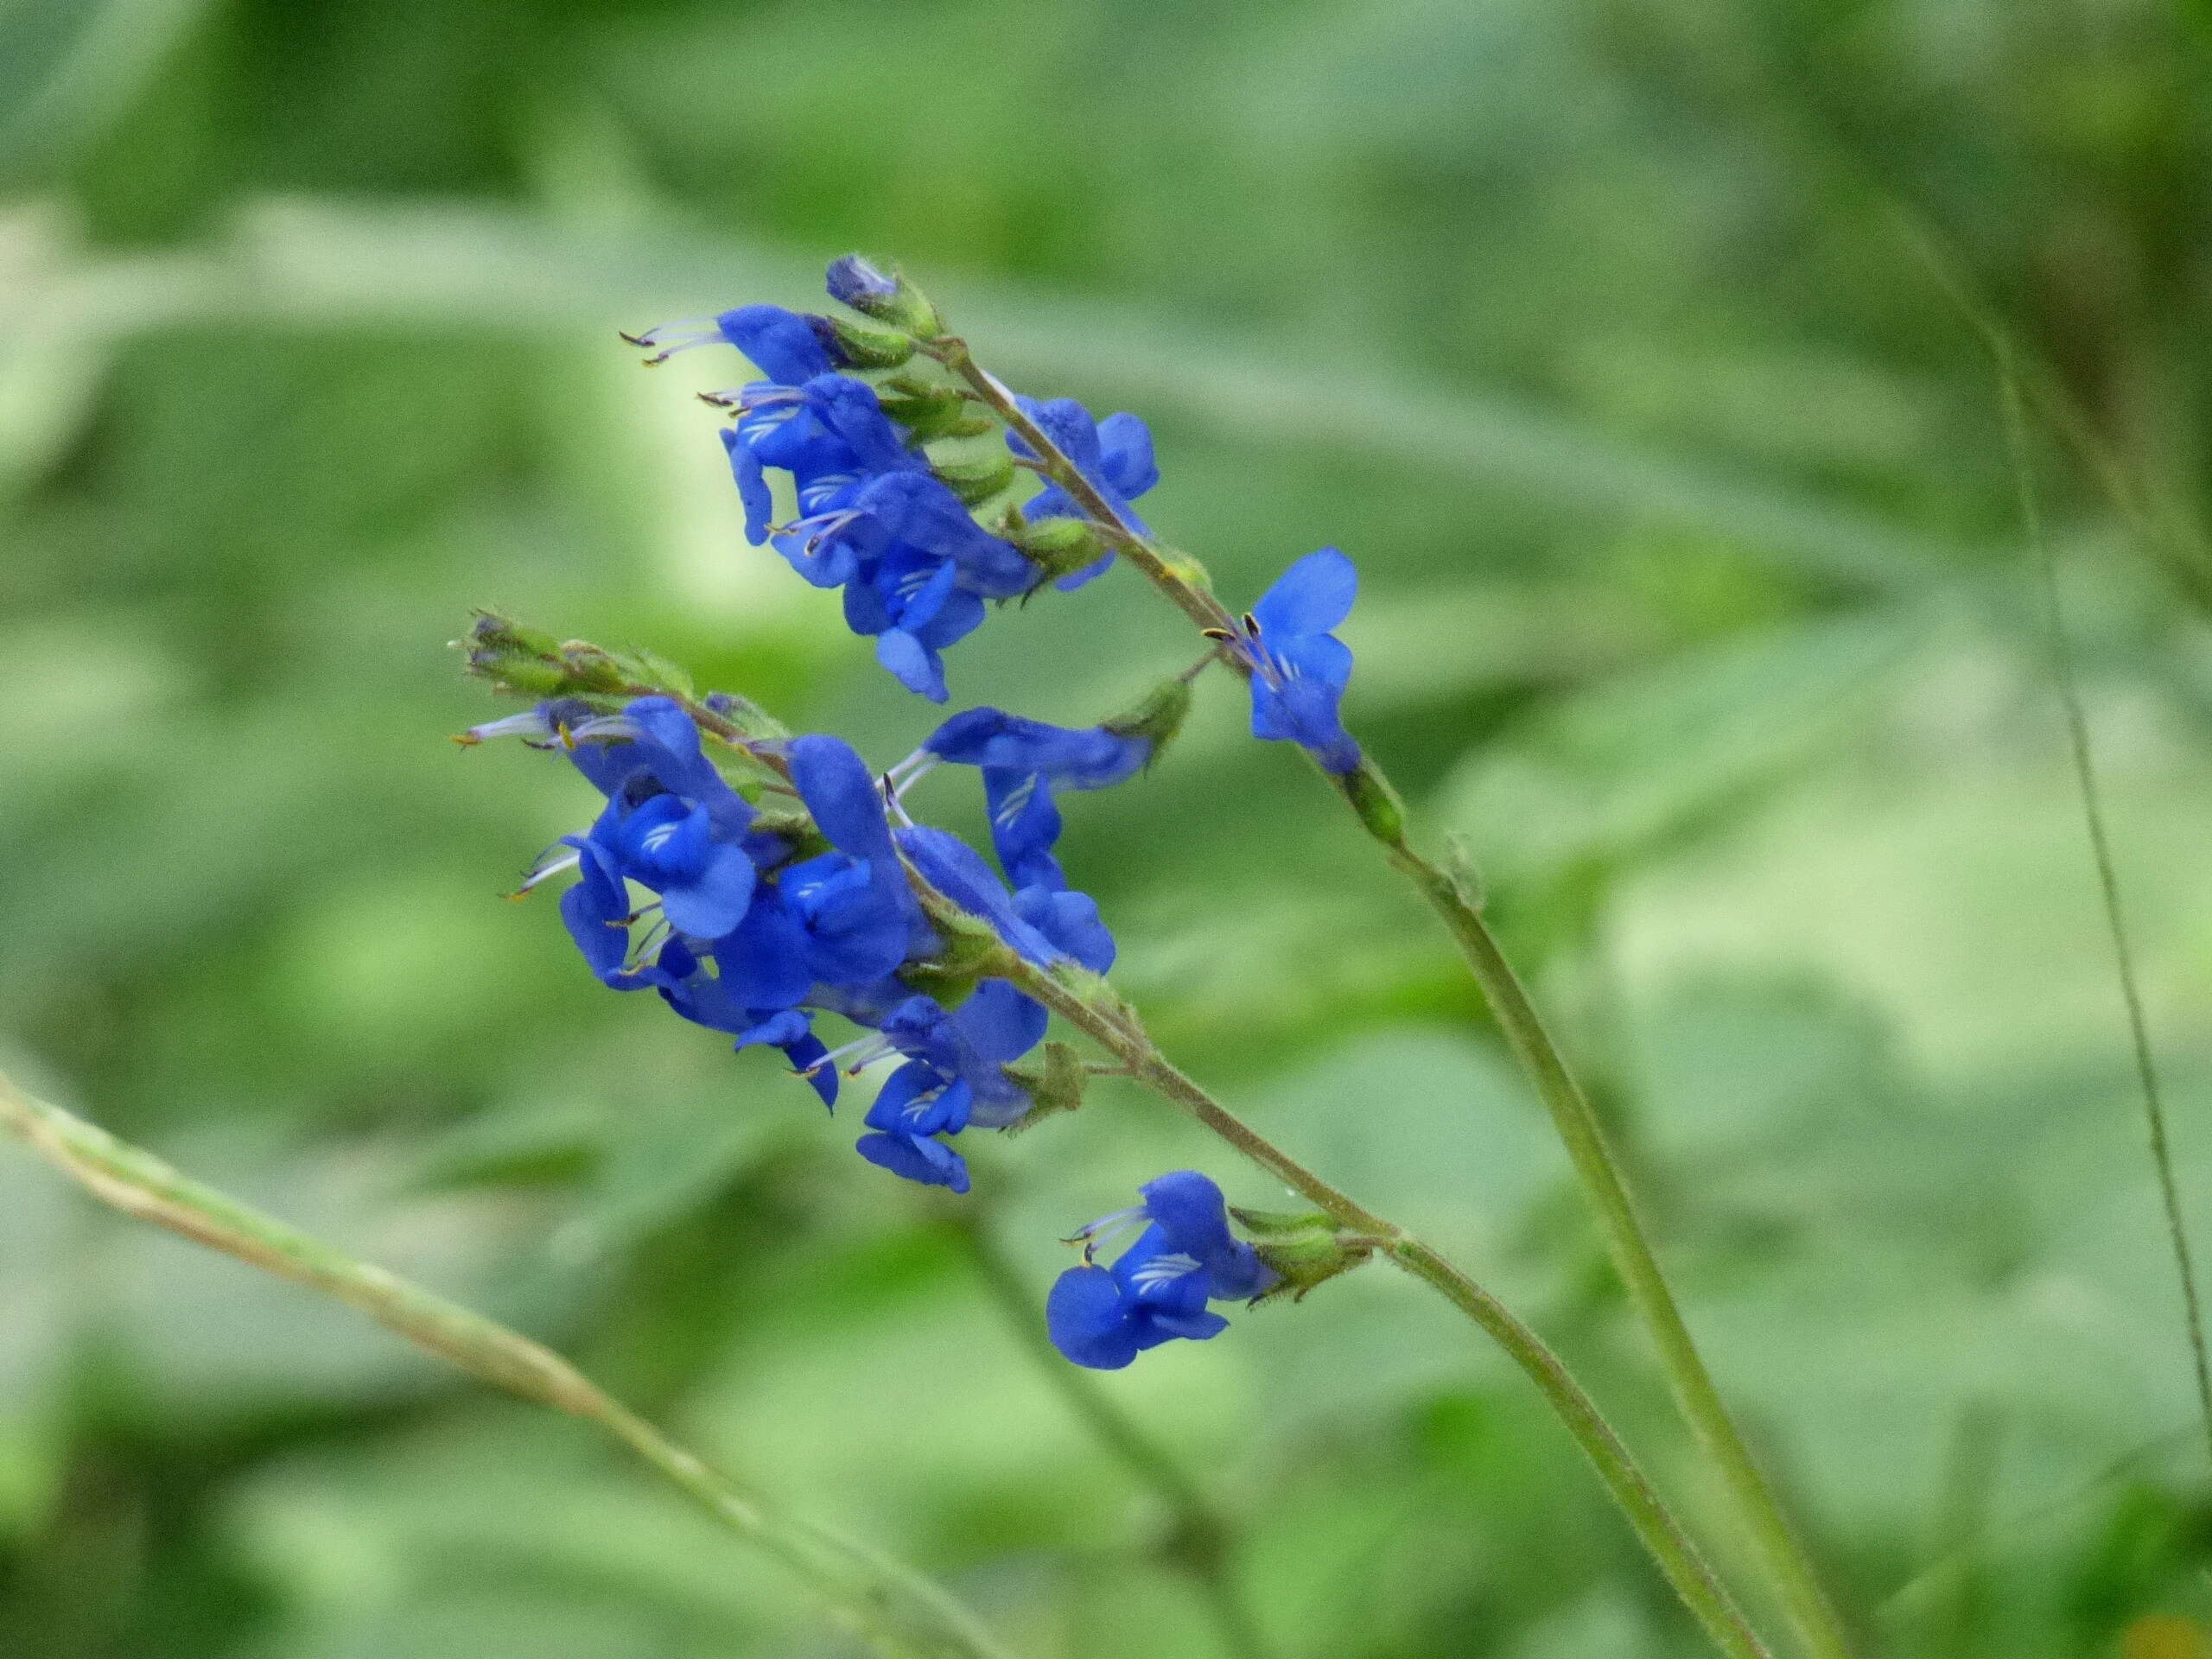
[[912, 605], [1115, 455], [916, 568], [846, 918], [958, 871], [788, 346], [831, 435], [1184, 1258], [1299, 667], [672, 823], [917, 1103], [954, 1075], [668, 845], [1022, 762]]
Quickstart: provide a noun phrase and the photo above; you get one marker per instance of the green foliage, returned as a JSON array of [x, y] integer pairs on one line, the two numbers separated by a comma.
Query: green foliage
[[1693, 602]]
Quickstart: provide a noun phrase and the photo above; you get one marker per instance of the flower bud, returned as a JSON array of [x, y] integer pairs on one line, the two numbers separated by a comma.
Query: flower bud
[[1377, 804], [516, 658], [750, 719], [887, 296]]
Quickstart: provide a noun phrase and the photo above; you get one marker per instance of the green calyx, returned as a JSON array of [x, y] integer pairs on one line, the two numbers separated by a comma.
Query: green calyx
[[1304, 1248], [1054, 1082], [931, 412], [1380, 808], [1059, 547], [978, 479], [867, 347], [1159, 717]]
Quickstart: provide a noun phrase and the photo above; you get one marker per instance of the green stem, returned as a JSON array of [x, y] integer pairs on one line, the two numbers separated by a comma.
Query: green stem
[[1201, 1541], [1093, 1011], [1374, 803], [2093, 817], [1757, 1509], [896, 1608]]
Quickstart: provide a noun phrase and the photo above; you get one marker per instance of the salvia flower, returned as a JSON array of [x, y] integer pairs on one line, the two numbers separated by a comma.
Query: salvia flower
[[1184, 1257], [1114, 455], [1023, 762], [829, 433], [789, 346], [1300, 668]]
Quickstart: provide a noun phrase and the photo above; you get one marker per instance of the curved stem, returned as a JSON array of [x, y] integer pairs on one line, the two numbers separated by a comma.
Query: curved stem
[[898, 1610], [1374, 803], [1201, 1541], [1094, 1011]]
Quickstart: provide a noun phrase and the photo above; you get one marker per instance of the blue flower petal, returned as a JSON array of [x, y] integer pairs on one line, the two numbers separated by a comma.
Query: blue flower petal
[[1070, 920], [1086, 1320], [764, 963], [1191, 1210], [1312, 596], [912, 664], [958, 871], [752, 486], [712, 905], [841, 792], [786, 346], [916, 1158], [1000, 1023]]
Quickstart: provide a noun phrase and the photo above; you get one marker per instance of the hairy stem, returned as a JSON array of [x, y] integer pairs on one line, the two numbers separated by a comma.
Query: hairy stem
[[897, 1609], [1374, 801], [1201, 1541], [1116, 1029], [2093, 817]]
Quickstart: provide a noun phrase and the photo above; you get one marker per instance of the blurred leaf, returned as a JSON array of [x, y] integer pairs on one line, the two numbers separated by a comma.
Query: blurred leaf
[[68, 68]]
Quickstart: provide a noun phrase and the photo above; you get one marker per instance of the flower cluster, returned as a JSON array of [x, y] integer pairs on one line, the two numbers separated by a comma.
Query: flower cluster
[[920, 540], [775, 880], [756, 924], [878, 517]]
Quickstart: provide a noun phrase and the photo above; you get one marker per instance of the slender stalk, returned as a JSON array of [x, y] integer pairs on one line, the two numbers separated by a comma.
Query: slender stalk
[[2093, 817], [1116, 1029], [1201, 1541], [1089, 1004], [1374, 801], [900, 1611]]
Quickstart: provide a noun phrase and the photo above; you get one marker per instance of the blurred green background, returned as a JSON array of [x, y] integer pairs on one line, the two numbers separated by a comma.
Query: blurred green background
[[1601, 332]]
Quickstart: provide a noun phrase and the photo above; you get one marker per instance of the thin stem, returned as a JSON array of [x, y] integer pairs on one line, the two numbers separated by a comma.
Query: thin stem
[[2093, 817], [1115, 1028], [1374, 801], [1201, 1541], [896, 1608], [1757, 1508]]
